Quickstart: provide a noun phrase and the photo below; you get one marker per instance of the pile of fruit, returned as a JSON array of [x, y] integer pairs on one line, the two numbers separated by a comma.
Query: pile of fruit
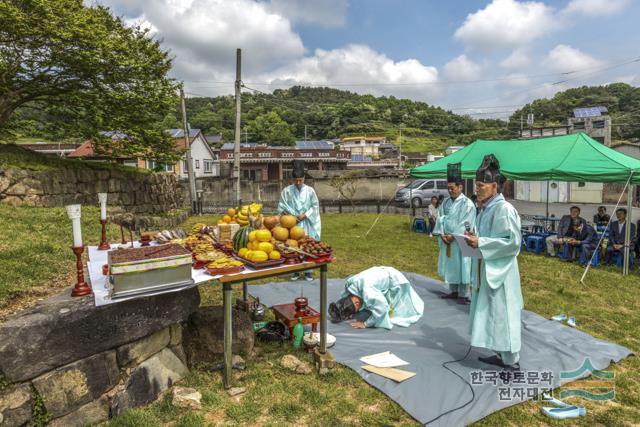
[[314, 247], [255, 245], [205, 251], [245, 215]]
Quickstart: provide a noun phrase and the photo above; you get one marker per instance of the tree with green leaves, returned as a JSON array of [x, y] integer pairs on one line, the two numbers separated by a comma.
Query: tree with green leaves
[[85, 71], [271, 129]]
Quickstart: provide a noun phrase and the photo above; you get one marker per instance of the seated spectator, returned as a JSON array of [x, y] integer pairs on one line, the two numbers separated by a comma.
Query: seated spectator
[[431, 213], [582, 238], [563, 228], [601, 219], [617, 232]]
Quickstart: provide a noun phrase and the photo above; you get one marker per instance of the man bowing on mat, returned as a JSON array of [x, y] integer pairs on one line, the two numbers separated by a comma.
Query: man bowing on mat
[[496, 300], [453, 214]]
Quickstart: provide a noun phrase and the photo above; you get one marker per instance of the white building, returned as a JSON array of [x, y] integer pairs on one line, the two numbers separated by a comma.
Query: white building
[[205, 161]]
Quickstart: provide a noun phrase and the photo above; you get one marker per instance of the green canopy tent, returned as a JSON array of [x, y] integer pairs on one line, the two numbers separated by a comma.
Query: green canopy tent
[[571, 158]]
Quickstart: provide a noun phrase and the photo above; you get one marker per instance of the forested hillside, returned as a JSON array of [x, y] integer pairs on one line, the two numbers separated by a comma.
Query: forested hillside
[[621, 99]]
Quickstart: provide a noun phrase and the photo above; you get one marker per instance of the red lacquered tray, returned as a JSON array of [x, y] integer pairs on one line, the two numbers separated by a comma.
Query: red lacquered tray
[[260, 265], [200, 264], [220, 271]]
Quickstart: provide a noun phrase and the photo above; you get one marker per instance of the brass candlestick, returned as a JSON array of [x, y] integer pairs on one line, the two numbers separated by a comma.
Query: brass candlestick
[[81, 288], [104, 245]]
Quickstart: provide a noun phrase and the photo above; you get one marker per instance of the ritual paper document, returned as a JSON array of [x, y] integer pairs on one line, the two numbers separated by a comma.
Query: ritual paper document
[[383, 360], [467, 251]]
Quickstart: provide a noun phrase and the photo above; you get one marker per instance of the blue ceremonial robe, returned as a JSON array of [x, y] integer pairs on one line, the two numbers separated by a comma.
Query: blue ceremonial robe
[[381, 288], [452, 215], [305, 202], [496, 299]]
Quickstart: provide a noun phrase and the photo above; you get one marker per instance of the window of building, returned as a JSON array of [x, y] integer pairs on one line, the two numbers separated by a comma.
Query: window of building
[[324, 154], [598, 124], [578, 125], [159, 166], [306, 154], [287, 154], [252, 174], [197, 164], [208, 166], [185, 167], [264, 154], [600, 139]]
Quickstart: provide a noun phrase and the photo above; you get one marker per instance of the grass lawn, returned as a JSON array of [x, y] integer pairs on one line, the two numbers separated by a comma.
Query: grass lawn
[[606, 307], [434, 144]]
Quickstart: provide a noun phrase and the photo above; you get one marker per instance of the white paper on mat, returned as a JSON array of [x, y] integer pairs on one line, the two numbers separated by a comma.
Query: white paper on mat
[[385, 359], [467, 251]]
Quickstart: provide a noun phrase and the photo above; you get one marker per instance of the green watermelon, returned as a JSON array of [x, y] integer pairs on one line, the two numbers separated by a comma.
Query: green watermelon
[[241, 238]]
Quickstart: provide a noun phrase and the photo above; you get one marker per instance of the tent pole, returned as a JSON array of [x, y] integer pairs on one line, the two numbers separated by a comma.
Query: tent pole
[[627, 234], [547, 215]]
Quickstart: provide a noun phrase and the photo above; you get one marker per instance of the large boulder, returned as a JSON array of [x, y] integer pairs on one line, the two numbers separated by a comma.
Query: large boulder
[[15, 405], [62, 329], [89, 414], [148, 380], [203, 336], [70, 387], [139, 351]]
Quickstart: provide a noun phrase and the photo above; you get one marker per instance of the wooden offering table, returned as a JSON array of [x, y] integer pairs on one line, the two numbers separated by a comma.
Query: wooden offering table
[[287, 314]]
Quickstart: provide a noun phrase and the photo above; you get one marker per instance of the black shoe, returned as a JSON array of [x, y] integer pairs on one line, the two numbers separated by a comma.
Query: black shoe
[[492, 360], [464, 301], [452, 295]]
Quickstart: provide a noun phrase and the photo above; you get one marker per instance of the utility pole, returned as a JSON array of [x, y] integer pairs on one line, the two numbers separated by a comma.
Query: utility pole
[[236, 148], [187, 145], [400, 150]]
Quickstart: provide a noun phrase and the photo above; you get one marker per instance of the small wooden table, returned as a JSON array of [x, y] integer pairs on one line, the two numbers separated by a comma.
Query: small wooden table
[[287, 314]]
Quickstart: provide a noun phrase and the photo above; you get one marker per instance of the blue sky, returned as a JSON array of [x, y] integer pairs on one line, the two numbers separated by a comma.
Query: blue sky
[[473, 54]]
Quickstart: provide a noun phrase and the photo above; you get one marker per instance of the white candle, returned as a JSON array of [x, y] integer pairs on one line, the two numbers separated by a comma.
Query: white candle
[[74, 214], [102, 198]]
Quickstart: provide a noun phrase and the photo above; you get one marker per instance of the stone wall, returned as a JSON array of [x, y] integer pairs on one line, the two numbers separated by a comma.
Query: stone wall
[[220, 191], [71, 363], [136, 192]]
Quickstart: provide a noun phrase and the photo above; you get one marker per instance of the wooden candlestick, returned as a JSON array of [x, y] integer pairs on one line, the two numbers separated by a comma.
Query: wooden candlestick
[[104, 245], [81, 288]]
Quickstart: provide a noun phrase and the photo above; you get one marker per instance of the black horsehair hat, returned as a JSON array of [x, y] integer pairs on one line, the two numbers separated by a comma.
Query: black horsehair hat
[[298, 169], [489, 170], [454, 172]]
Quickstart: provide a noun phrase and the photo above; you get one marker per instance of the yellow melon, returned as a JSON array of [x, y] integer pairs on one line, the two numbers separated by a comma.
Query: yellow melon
[[296, 233], [252, 235], [280, 233], [248, 255], [292, 242], [274, 255], [288, 221], [263, 235], [226, 219], [243, 252], [259, 256], [266, 247]]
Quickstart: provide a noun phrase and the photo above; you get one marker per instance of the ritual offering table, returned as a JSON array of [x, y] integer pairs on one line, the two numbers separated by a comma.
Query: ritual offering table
[[288, 314]]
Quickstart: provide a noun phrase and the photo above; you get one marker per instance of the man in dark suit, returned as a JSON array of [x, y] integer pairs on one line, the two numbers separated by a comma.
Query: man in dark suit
[[564, 226], [582, 238], [617, 233]]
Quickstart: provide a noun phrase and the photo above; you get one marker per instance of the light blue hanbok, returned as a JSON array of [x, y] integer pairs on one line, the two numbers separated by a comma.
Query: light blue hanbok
[[382, 288], [305, 202], [455, 270], [496, 302]]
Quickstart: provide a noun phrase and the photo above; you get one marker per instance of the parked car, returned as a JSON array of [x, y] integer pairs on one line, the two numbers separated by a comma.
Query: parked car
[[420, 191]]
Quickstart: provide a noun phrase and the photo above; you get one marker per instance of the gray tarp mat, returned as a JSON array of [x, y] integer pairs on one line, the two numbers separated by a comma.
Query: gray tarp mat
[[442, 335]]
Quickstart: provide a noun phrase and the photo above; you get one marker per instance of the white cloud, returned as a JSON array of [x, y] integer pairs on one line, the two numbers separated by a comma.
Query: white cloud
[[356, 66], [564, 58], [326, 13], [506, 23], [519, 58], [517, 80], [462, 68], [596, 7]]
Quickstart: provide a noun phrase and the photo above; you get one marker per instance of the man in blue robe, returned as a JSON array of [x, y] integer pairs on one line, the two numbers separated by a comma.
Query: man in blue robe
[[301, 201], [454, 214], [496, 299], [379, 297]]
